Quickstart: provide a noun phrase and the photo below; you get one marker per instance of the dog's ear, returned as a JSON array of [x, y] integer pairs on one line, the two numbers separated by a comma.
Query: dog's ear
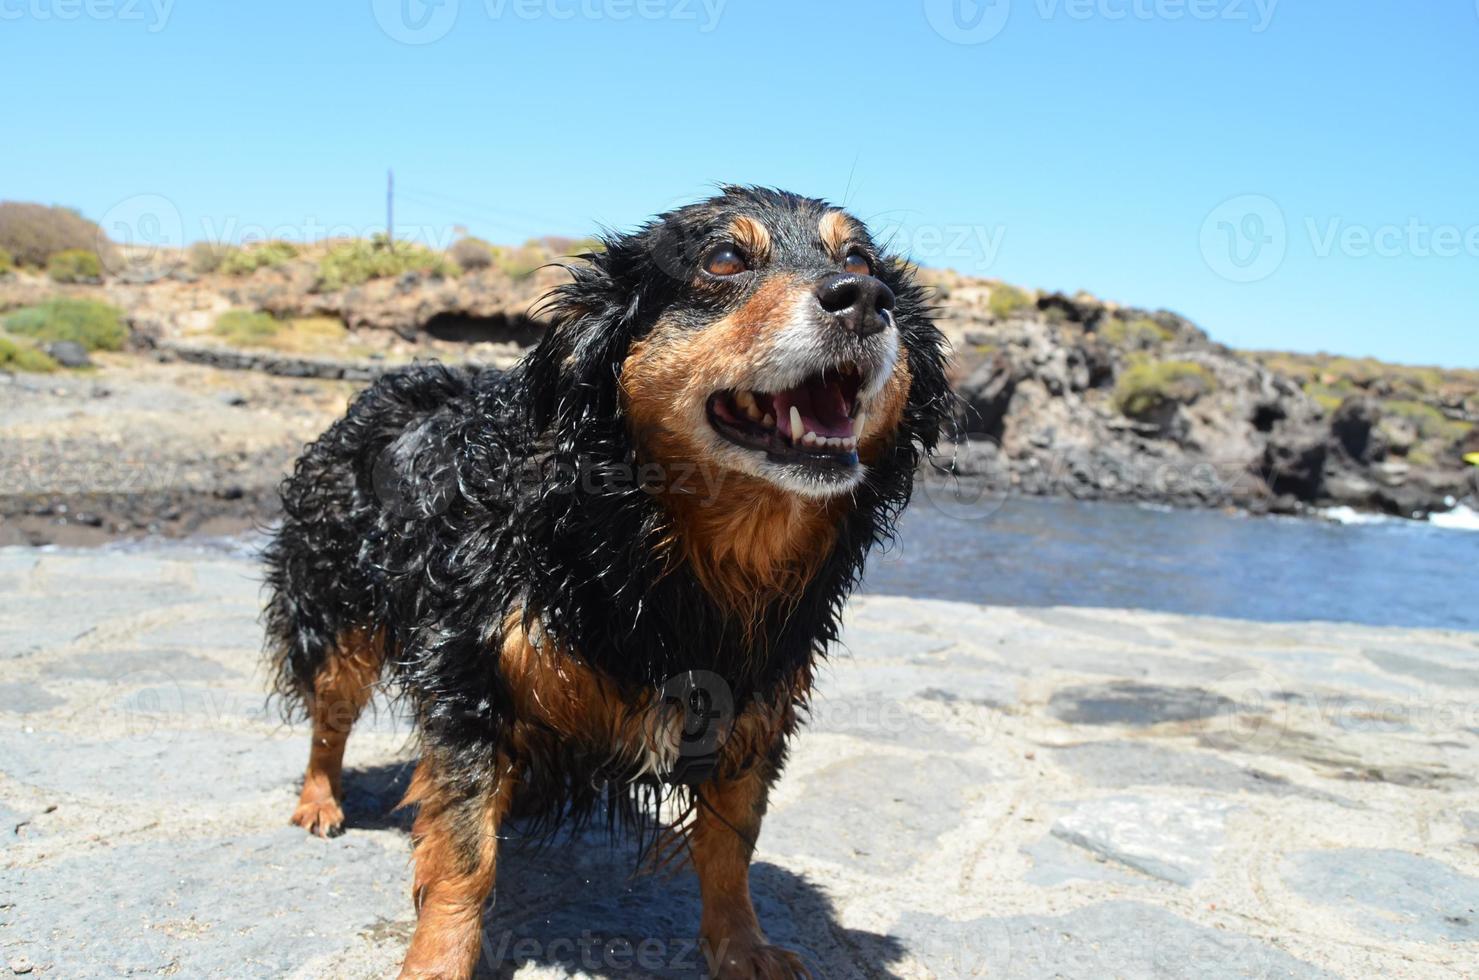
[[574, 372]]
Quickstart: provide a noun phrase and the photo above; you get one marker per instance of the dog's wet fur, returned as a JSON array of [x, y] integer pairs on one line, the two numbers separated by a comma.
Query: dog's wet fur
[[533, 558]]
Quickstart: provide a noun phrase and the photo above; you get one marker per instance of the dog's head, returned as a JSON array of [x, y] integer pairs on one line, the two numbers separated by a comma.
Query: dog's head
[[756, 333]]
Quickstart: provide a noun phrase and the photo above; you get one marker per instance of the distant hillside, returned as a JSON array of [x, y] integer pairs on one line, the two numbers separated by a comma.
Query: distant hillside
[[1076, 395], [1059, 394]]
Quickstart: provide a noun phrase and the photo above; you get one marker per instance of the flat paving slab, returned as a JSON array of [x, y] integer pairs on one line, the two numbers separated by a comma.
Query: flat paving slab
[[984, 792]]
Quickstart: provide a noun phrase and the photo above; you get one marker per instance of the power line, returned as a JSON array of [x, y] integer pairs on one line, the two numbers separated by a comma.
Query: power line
[[517, 226], [483, 206]]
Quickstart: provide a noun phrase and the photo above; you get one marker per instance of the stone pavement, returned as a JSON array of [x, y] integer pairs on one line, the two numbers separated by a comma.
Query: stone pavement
[[983, 792]]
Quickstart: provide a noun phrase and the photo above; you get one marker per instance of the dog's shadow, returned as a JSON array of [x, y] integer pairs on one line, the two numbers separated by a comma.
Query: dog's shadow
[[578, 905]]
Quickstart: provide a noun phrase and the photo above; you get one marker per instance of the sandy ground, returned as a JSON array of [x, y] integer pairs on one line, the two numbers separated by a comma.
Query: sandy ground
[[982, 792]]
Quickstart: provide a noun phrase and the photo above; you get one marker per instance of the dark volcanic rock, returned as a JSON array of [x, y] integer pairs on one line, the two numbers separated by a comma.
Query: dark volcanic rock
[[1354, 429], [987, 395], [1294, 462], [1135, 705], [69, 354]]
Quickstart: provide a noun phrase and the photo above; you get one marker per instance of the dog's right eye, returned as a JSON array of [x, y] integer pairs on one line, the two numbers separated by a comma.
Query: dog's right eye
[[725, 260]]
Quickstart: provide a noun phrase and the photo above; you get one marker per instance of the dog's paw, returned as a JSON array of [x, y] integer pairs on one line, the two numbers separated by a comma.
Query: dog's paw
[[733, 960], [322, 818]]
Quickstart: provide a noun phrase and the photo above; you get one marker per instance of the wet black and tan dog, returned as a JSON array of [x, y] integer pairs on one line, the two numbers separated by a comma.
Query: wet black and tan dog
[[604, 576]]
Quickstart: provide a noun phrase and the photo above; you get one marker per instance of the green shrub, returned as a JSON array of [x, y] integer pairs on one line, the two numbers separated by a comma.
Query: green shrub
[[1147, 385], [7, 261], [23, 357], [94, 325], [1431, 423], [358, 261], [578, 246], [1138, 333], [471, 253], [74, 265], [296, 335], [521, 262], [33, 233], [206, 257], [247, 328], [1007, 300], [1328, 397], [268, 255]]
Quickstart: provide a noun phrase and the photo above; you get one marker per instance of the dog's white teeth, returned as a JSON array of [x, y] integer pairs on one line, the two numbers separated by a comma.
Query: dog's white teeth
[[768, 421], [811, 439], [859, 424], [849, 443], [795, 423], [746, 401]]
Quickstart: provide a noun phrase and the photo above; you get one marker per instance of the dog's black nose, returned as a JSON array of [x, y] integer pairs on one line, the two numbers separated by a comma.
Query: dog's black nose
[[862, 302]]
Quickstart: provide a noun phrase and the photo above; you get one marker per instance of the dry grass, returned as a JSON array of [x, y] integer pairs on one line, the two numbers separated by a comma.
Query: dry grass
[[306, 335]]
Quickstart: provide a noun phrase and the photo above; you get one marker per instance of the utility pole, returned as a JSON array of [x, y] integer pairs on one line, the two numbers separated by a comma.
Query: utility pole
[[390, 209]]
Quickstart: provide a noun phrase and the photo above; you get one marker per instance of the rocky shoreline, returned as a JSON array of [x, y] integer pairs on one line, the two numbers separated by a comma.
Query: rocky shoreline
[[138, 448], [1072, 396]]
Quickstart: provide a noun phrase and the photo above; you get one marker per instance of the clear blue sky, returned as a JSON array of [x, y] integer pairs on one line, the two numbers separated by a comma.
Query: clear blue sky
[[1087, 144]]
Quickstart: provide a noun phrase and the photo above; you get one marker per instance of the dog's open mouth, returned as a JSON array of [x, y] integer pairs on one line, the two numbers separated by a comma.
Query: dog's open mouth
[[818, 422]]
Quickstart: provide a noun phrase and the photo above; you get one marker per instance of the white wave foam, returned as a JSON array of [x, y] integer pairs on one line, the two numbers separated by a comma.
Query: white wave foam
[[1461, 518], [1349, 515]]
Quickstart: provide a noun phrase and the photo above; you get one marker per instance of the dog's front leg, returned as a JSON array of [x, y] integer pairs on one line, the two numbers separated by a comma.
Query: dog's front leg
[[456, 851], [726, 826]]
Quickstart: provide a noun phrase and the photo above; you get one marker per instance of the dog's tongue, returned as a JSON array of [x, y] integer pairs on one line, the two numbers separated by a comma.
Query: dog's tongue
[[823, 407]]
